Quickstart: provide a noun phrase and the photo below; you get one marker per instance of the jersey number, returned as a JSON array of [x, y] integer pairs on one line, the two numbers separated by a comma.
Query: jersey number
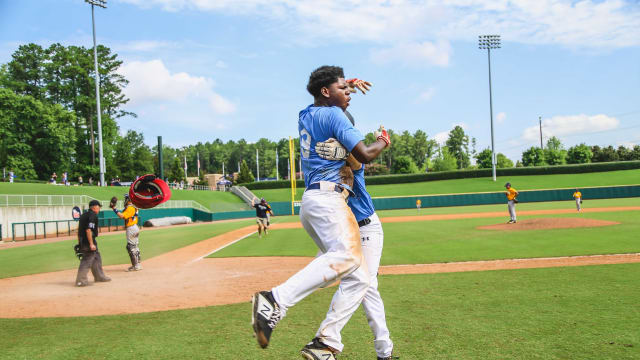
[[305, 143]]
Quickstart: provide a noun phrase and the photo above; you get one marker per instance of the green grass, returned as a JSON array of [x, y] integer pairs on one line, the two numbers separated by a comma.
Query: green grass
[[459, 240], [552, 205], [209, 199], [586, 312], [622, 177], [59, 255]]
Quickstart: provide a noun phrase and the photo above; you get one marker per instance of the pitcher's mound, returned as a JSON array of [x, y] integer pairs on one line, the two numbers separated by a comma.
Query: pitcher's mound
[[549, 223]]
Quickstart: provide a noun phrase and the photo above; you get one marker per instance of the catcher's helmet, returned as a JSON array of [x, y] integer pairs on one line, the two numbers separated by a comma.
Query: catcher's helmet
[[149, 191]]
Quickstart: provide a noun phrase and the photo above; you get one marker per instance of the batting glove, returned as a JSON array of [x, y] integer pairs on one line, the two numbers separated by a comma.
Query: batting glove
[[382, 134], [331, 149], [359, 84]]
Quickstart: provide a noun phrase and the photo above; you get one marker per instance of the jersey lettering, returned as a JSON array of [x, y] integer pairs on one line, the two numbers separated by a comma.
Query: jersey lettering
[[305, 143]]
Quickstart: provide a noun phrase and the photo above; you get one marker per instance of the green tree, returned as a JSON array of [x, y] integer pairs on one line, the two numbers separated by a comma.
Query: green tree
[[534, 156], [422, 148], [554, 153], [579, 154], [458, 147], [503, 161], [176, 170], [245, 175], [404, 165], [444, 161], [604, 154]]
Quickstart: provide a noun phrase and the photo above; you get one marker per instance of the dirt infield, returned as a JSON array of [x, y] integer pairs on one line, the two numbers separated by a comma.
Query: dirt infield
[[183, 278], [549, 223]]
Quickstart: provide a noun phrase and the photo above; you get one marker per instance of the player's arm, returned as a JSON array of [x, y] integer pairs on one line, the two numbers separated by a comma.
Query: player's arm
[[92, 246]]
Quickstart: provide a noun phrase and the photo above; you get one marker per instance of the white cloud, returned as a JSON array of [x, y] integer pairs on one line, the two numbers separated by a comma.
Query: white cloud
[[151, 81], [426, 95], [412, 54], [501, 117], [571, 125], [582, 23], [441, 137]]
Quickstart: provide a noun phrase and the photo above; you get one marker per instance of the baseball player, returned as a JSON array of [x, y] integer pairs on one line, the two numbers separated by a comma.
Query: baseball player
[[87, 251], [130, 216], [262, 215], [418, 204], [577, 196], [372, 239], [511, 202], [326, 218]]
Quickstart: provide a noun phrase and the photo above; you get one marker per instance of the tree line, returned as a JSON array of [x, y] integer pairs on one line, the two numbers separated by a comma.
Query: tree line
[[48, 124]]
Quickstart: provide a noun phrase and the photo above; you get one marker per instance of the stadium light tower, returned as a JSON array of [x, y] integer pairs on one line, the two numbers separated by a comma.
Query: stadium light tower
[[490, 42], [102, 4]]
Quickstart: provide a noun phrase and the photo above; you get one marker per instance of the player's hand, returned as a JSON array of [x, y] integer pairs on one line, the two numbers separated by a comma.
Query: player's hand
[[382, 134], [358, 84], [331, 149], [93, 247]]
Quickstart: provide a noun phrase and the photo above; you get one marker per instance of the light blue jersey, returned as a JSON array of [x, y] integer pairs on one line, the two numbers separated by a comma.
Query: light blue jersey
[[317, 124], [361, 204]]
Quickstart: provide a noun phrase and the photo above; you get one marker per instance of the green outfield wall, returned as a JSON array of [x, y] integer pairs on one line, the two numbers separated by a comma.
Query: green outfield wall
[[405, 202]]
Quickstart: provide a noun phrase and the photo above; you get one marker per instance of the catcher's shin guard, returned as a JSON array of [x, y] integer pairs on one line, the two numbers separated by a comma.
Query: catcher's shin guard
[[134, 254]]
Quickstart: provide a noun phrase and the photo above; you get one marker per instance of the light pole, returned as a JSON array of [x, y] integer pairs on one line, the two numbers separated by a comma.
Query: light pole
[[490, 42], [102, 4]]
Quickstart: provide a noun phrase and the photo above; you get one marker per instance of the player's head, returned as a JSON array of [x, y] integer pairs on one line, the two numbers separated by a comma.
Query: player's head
[[328, 87], [507, 185], [263, 201], [127, 199], [95, 206]]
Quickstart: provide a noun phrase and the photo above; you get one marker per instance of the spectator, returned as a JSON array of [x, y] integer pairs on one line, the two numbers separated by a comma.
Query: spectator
[[54, 178], [11, 176], [65, 180], [90, 180], [80, 180]]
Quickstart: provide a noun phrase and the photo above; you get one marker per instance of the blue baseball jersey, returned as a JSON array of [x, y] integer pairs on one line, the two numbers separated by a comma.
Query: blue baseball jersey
[[361, 204], [317, 124]]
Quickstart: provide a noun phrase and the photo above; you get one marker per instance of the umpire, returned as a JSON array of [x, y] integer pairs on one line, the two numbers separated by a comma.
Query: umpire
[[88, 247]]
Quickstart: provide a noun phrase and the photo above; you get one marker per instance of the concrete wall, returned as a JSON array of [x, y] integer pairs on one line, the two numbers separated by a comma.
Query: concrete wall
[[15, 214]]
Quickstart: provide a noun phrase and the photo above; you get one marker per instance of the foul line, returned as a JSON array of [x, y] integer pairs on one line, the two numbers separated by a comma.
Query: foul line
[[220, 248]]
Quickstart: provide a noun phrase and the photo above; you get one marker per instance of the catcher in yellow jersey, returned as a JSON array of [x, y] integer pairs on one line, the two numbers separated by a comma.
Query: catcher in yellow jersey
[[130, 216]]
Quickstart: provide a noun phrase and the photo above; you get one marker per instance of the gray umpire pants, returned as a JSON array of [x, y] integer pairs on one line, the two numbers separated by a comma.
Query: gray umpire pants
[[512, 209], [90, 260], [132, 244]]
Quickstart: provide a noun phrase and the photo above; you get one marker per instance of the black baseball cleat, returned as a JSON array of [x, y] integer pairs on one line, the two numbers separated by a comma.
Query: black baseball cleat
[[317, 350], [265, 316], [390, 357]]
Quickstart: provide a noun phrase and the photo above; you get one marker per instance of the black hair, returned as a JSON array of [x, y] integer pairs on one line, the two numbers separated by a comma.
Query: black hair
[[322, 77]]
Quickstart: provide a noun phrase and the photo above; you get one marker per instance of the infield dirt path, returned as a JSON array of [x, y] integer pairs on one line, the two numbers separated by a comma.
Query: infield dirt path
[[185, 279]]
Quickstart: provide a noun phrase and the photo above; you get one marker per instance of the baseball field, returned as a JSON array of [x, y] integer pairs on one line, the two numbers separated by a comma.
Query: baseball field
[[457, 284]]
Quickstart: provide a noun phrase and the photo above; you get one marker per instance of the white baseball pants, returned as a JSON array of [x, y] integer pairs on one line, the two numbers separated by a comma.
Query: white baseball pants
[[330, 223], [372, 239], [578, 205], [512, 209]]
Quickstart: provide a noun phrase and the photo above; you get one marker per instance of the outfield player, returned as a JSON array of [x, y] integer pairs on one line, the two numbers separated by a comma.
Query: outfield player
[[325, 216], [262, 215], [511, 202], [577, 196], [418, 204], [372, 239], [130, 216]]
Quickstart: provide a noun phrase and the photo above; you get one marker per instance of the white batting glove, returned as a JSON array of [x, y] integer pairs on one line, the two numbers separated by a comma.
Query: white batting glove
[[331, 149]]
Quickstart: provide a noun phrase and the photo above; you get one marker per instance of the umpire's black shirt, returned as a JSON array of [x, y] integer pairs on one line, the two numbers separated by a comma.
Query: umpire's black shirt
[[261, 210], [88, 220]]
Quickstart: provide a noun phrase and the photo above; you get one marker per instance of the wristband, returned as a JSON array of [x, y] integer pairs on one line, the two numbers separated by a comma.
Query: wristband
[[115, 211], [384, 139]]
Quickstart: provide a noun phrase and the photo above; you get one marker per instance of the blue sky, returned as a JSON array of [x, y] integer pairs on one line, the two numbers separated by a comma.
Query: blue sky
[[231, 69]]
